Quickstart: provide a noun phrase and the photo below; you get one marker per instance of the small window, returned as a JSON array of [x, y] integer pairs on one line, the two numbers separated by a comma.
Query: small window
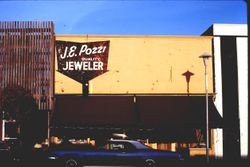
[[118, 146]]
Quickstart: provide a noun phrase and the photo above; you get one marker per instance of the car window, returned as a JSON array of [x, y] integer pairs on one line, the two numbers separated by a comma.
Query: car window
[[119, 146]]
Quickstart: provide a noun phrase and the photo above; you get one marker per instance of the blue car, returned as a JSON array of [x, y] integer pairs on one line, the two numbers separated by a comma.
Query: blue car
[[116, 152]]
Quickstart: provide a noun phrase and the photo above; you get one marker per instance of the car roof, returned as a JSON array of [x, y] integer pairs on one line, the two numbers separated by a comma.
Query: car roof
[[124, 140]]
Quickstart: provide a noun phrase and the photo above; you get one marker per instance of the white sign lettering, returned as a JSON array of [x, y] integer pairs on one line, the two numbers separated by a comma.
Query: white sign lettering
[[83, 65]]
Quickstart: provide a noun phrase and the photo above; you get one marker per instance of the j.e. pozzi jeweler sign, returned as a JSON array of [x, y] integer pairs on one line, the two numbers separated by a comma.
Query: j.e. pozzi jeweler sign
[[82, 61]]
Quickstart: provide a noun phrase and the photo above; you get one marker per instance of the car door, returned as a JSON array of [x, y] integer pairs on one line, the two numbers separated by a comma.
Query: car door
[[126, 155], [109, 154]]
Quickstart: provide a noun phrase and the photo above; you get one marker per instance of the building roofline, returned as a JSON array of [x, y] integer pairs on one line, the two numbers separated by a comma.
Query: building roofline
[[226, 30], [124, 36]]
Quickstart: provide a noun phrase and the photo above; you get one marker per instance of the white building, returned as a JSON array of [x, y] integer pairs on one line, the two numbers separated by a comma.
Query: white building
[[230, 50]]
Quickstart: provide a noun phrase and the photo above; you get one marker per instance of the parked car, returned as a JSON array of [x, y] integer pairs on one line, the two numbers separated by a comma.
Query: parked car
[[5, 152], [111, 153], [15, 146]]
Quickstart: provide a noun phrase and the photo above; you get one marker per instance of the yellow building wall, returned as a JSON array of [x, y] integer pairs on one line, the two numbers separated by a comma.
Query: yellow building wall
[[145, 64]]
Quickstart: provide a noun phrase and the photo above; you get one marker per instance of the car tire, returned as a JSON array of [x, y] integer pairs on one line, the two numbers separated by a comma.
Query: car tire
[[149, 163], [71, 163]]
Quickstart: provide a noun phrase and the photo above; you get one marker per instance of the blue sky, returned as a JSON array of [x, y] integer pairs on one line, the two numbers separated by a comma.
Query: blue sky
[[127, 17]]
